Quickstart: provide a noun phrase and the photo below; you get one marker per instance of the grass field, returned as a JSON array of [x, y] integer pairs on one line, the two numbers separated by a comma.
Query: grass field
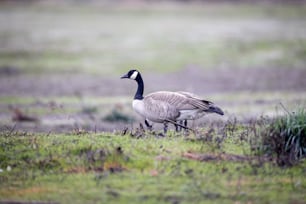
[[112, 168], [60, 63]]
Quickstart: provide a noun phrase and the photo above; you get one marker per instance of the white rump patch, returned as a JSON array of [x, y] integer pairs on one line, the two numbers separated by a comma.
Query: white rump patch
[[134, 75], [189, 114]]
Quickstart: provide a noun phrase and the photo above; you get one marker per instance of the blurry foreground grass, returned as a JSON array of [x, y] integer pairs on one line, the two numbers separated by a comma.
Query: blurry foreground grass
[[218, 165]]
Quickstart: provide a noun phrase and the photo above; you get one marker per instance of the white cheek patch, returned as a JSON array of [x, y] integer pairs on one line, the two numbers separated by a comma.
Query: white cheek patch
[[134, 75]]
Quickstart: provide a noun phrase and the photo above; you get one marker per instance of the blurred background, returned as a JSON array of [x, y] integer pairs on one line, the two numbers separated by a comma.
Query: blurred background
[[61, 61]]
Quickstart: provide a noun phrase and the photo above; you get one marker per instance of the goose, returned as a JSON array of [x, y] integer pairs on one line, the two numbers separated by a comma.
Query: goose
[[166, 106]]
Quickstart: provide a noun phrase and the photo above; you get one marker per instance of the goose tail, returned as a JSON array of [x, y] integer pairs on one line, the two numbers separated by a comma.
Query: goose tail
[[215, 109]]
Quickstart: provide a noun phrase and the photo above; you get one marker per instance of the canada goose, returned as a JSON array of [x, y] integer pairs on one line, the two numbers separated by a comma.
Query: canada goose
[[166, 106]]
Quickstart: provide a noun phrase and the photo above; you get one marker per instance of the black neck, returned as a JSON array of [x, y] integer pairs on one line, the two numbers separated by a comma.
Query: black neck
[[139, 92]]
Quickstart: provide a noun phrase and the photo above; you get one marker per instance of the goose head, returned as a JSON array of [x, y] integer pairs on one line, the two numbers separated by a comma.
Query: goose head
[[135, 75], [132, 74]]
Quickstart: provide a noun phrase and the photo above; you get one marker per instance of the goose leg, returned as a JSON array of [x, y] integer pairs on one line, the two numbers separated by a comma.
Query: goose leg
[[185, 124], [193, 124], [165, 127], [148, 125], [179, 128]]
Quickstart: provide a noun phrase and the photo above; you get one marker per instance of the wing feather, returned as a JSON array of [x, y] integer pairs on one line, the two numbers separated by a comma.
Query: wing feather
[[175, 99], [197, 100], [159, 110], [165, 105]]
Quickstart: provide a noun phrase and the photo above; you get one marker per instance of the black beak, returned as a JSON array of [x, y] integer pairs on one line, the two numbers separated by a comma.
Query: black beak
[[125, 76]]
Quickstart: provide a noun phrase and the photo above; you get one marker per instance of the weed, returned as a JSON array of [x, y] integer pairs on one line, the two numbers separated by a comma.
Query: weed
[[285, 137], [116, 116]]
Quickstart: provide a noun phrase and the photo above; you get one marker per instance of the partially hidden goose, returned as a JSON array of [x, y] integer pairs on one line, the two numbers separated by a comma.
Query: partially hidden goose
[[166, 106]]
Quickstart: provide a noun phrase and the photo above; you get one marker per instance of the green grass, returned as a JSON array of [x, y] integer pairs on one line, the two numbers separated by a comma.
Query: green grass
[[109, 40], [115, 168]]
